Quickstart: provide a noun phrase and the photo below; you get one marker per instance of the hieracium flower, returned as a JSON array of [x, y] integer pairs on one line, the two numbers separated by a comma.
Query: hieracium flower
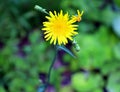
[[59, 27], [78, 16]]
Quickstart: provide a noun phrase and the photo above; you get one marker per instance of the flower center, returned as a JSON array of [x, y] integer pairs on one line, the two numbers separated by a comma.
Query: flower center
[[59, 28]]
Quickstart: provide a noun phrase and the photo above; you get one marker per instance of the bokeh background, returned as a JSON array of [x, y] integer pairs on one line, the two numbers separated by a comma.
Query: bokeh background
[[25, 56]]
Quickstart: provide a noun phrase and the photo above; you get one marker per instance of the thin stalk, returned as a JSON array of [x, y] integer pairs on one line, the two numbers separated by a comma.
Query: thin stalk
[[51, 66], [50, 69]]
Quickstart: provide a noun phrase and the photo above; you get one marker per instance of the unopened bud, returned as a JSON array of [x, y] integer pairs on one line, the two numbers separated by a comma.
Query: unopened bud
[[76, 45], [37, 7]]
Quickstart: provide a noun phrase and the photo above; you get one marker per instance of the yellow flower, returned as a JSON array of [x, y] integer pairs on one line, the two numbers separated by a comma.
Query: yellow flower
[[59, 28], [78, 17]]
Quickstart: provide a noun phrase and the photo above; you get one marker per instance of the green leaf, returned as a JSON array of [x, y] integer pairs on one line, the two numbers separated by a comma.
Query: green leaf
[[66, 50], [2, 89], [86, 82]]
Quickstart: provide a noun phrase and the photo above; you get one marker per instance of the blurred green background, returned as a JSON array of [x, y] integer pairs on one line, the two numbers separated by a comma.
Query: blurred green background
[[25, 56]]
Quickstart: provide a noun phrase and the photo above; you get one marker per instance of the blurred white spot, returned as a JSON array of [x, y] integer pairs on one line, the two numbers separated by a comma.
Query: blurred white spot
[[116, 25]]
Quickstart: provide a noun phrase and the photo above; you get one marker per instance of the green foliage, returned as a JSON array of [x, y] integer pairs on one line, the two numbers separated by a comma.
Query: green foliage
[[85, 82], [117, 2], [94, 47], [113, 83], [24, 54], [22, 73]]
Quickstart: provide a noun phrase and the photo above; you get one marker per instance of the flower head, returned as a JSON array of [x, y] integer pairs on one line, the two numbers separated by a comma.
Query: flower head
[[78, 16], [59, 28]]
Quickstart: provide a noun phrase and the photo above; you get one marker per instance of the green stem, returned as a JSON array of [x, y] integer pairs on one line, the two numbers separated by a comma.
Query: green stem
[[51, 66], [50, 70]]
